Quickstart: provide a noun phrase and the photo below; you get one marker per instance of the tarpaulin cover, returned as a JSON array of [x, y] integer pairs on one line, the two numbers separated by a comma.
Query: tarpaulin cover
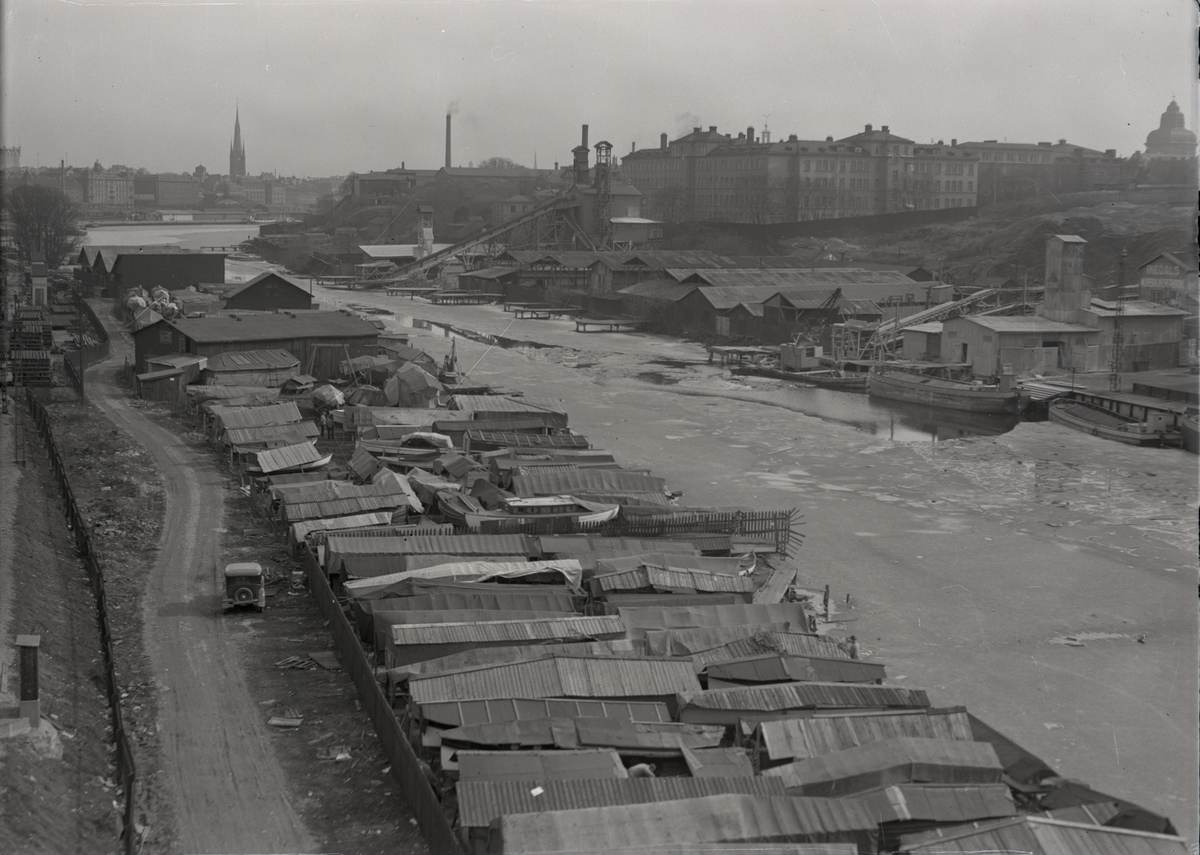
[[568, 568]]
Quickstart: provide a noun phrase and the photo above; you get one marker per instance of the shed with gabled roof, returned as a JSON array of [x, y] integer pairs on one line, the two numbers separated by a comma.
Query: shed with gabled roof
[[269, 291]]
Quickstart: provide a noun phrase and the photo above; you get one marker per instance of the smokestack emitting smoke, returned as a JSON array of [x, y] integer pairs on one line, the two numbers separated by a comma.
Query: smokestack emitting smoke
[[447, 140]]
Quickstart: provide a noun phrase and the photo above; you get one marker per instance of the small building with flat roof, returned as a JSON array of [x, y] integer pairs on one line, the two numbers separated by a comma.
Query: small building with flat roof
[[1027, 345]]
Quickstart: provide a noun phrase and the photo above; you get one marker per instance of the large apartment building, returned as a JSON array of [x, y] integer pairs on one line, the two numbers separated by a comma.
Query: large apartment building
[[1011, 171], [706, 175]]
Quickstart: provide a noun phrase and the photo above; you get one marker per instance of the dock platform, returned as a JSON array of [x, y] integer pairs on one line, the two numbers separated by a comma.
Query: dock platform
[[608, 325]]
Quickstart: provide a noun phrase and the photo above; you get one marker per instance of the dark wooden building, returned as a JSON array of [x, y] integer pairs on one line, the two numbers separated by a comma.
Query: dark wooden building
[[267, 292], [320, 340], [170, 270]]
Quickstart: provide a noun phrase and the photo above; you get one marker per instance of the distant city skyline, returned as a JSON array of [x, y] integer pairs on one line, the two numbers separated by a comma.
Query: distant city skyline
[[331, 87]]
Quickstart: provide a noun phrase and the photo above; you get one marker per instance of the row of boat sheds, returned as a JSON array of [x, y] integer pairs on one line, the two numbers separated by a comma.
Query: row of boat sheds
[[584, 662]]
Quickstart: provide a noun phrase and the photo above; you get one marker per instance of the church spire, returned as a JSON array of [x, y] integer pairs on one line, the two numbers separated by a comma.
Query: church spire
[[237, 151]]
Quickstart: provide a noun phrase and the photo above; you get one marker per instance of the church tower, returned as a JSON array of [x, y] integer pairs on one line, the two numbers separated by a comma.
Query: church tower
[[237, 151]]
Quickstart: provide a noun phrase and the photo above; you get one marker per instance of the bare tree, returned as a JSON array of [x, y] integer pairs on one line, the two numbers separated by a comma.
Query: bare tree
[[45, 220], [499, 163]]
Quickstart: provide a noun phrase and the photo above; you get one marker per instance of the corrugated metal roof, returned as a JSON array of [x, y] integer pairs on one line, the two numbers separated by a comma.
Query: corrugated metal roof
[[325, 490], [244, 417], [938, 802], [771, 642], [670, 258], [727, 818], [1030, 323], [505, 404], [639, 620], [1050, 837], [686, 642], [455, 544], [301, 511], [301, 530], [729, 762], [208, 393], [781, 278], [587, 480], [272, 327], [776, 668], [569, 568], [524, 597], [524, 653], [458, 713], [249, 360], [479, 802], [776, 586], [287, 457], [900, 760], [667, 290], [515, 631], [795, 696], [673, 578], [559, 676], [298, 431], [539, 765], [584, 544], [811, 737]]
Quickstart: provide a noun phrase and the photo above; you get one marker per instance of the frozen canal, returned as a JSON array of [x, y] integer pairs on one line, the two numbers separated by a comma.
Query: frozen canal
[[1012, 573]]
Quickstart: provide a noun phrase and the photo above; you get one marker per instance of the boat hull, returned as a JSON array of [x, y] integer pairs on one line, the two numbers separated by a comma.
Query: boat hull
[[1085, 419], [932, 392], [1189, 426]]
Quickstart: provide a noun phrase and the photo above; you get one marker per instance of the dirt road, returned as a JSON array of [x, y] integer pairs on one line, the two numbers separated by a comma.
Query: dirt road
[[228, 791]]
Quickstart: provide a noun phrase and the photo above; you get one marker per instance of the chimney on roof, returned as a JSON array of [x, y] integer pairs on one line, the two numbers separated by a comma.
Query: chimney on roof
[[662, 142], [632, 148], [1062, 142], [953, 141], [868, 130], [750, 134], [741, 137], [828, 139], [884, 128], [712, 129], [1110, 152], [697, 130], [792, 138], [941, 142], [447, 140], [556, 166]]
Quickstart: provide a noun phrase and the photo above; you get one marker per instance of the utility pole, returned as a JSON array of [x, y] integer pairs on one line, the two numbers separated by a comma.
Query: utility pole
[[82, 343], [1118, 336]]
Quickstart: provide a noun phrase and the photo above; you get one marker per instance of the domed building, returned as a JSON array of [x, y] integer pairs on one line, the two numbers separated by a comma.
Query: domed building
[[1171, 139]]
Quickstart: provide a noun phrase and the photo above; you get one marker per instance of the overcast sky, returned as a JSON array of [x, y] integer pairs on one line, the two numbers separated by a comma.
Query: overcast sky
[[330, 86]]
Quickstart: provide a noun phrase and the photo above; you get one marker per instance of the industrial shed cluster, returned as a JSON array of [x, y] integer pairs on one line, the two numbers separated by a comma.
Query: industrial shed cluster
[[578, 659]]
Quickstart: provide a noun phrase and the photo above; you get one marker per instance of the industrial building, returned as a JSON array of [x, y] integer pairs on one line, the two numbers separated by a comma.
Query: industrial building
[[320, 340]]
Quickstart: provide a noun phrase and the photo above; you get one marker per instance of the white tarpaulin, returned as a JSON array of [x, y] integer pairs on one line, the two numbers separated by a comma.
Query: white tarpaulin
[[478, 571]]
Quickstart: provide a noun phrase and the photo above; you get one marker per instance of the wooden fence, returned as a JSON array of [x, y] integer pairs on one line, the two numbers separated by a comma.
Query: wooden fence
[[406, 767], [126, 772]]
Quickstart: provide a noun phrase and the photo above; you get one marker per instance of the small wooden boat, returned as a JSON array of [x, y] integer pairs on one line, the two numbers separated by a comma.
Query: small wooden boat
[[840, 382], [1106, 424], [826, 378], [901, 385], [1189, 427], [309, 466], [544, 507]]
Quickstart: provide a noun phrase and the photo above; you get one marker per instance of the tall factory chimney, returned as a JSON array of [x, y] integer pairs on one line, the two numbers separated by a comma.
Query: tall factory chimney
[[580, 166], [447, 140]]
